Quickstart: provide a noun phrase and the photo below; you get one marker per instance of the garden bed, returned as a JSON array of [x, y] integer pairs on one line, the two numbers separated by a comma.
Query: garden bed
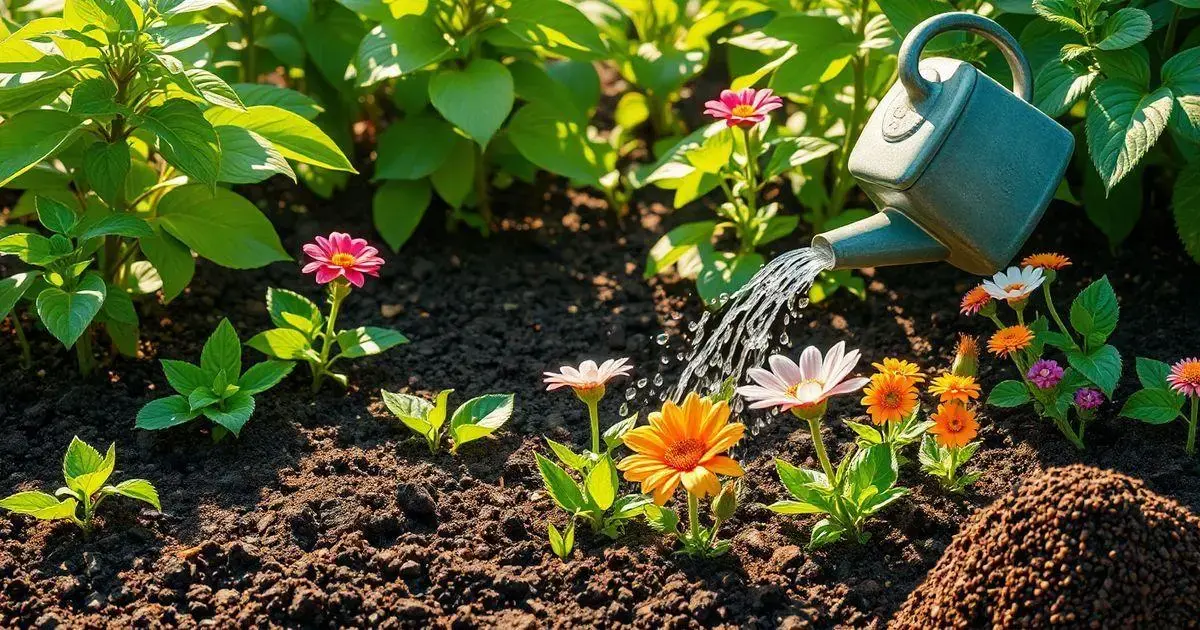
[[327, 512]]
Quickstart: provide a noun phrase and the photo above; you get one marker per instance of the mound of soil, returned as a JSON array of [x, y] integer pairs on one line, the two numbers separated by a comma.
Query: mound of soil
[[1075, 546]]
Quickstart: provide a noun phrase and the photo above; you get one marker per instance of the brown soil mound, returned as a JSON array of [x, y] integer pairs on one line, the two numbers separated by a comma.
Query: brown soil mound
[[1074, 546]]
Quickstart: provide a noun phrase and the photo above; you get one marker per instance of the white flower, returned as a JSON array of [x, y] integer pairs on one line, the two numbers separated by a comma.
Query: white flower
[[816, 378], [588, 376], [1014, 284]]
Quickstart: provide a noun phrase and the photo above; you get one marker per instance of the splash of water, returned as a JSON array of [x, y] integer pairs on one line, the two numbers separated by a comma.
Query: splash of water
[[741, 334]]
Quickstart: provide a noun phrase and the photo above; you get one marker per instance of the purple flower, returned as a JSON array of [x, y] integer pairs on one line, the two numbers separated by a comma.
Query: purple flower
[[1045, 373], [1088, 398]]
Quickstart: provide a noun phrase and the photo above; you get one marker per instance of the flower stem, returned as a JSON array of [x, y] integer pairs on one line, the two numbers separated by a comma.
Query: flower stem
[[693, 517], [1191, 441], [1054, 314], [83, 352], [594, 416], [336, 295], [814, 427]]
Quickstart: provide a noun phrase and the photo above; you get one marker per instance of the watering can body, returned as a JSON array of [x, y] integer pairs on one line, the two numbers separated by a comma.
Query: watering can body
[[962, 167]]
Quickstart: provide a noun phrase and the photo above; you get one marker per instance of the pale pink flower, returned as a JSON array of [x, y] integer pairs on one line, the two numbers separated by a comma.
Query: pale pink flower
[[340, 256], [588, 376], [788, 385], [745, 108]]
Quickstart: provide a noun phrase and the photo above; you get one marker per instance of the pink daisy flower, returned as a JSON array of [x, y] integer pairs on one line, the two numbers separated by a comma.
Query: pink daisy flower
[[588, 377], [788, 385], [1185, 377], [340, 256], [745, 108]]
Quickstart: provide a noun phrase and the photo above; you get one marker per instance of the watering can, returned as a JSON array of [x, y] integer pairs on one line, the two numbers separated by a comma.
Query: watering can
[[962, 168]]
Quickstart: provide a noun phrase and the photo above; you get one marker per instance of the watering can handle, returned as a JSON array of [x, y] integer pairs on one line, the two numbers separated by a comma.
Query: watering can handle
[[919, 88]]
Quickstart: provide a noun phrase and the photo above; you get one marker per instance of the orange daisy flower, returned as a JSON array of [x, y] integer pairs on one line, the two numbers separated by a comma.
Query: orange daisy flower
[[950, 387], [908, 370], [683, 444], [889, 398], [954, 425], [1048, 260], [974, 301], [966, 356], [1006, 341]]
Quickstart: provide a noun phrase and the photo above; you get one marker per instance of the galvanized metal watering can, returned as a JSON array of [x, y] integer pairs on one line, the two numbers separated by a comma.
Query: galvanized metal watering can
[[962, 168]]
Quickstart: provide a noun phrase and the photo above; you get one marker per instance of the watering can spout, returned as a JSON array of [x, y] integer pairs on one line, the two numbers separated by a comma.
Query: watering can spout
[[885, 238]]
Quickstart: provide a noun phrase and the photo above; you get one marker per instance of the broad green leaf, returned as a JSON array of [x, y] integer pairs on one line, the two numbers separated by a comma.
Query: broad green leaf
[[1059, 85], [398, 207], [1186, 205], [85, 469], [222, 351], [1152, 374], [40, 505], [558, 144], [107, 167], [413, 411], [164, 413], [1009, 394], [632, 110], [825, 533], [790, 153], [139, 489], [580, 80], [554, 26], [55, 216], [566, 455], [414, 147], [281, 343], [183, 376], [1060, 12], [602, 483], [376, 10], [561, 543], [289, 309], [118, 307], [1131, 64], [1181, 75], [400, 46], [365, 341], [722, 273], [67, 314], [13, 288], [883, 499], [293, 136], [214, 89], [174, 38], [674, 244], [221, 226], [233, 413], [662, 519], [171, 259], [283, 98], [1154, 406], [1101, 366], [248, 158], [1123, 122], [185, 138], [1125, 28], [177, 7], [476, 99], [712, 155], [795, 507], [110, 16], [35, 249], [32, 136], [263, 376], [202, 397], [805, 485], [122, 224], [331, 40], [1116, 211], [561, 486], [454, 181], [30, 91], [95, 97], [614, 436], [480, 416], [1095, 311], [904, 15], [664, 71]]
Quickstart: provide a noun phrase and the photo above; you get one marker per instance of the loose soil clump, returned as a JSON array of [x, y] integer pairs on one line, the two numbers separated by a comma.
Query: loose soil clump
[[1076, 546]]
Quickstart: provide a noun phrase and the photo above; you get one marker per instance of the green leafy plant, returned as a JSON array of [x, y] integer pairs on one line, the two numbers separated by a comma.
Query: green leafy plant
[[1129, 74], [111, 112], [86, 473], [864, 483], [474, 419], [950, 443], [1165, 391], [699, 541], [216, 389]]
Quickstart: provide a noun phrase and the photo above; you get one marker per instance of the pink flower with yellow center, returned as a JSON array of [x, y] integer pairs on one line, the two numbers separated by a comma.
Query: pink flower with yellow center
[[788, 385], [745, 108], [1185, 377], [340, 256], [588, 377]]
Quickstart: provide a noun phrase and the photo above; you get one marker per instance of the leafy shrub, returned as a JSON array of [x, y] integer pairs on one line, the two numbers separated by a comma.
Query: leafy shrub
[[1165, 391]]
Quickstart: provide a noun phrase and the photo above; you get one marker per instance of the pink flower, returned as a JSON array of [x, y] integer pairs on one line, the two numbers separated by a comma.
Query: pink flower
[[340, 256], [1185, 377], [588, 377], [1088, 398], [744, 108], [788, 385], [1046, 373]]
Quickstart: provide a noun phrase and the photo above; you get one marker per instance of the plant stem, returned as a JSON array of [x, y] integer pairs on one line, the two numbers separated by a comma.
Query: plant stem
[[594, 416], [1191, 441], [26, 356], [1054, 314], [83, 352], [483, 197], [336, 295], [814, 427], [250, 52], [845, 183], [694, 517]]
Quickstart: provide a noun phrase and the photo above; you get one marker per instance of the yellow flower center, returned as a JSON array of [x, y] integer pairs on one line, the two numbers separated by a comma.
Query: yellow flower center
[[1016, 286], [684, 454], [342, 259], [1190, 373], [743, 110]]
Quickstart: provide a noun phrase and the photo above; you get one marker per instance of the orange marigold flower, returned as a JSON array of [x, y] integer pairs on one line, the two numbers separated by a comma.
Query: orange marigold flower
[[1047, 260], [907, 369], [889, 398], [1006, 341], [683, 444], [950, 387], [953, 425], [974, 301]]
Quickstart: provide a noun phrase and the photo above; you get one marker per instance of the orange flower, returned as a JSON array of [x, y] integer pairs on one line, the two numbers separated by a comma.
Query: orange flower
[[900, 367], [683, 445], [1006, 341], [889, 398], [1048, 260], [974, 301], [950, 387], [954, 425]]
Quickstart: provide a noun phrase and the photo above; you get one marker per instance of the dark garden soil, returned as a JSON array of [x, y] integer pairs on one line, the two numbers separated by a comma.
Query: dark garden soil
[[327, 514]]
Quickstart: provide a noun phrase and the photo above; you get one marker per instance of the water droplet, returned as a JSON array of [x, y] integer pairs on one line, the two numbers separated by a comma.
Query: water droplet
[[642, 383], [662, 339], [785, 340], [692, 326], [624, 410], [665, 359], [658, 380], [678, 356], [630, 393], [662, 397]]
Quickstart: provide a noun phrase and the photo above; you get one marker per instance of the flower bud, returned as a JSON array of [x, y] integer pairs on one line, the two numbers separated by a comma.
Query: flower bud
[[811, 412], [726, 502], [966, 357]]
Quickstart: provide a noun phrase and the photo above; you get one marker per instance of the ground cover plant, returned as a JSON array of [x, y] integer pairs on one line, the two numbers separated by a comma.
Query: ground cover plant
[[477, 418]]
